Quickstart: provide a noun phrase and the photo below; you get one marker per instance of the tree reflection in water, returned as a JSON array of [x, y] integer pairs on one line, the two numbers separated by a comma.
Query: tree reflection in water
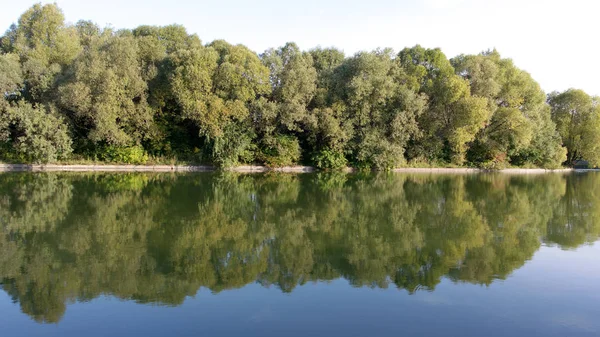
[[157, 238]]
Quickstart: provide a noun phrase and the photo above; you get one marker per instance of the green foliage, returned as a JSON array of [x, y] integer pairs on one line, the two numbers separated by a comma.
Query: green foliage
[[577, 118], [11, 76], [520, 131], [233, 147], [105, 94], [507, 133], [280, 151], [378, 153], [45, 45], [325, 61], [383, 111], [34, 134], [328, 159], [292, 74], [160, 89], [453, 117], [123, 155], [240, 75]]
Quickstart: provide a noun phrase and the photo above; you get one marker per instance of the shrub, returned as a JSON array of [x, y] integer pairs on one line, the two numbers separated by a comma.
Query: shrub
[[34, 134], [378, 153], [234, 146], [330, 159], [282, 151], [124, 155]]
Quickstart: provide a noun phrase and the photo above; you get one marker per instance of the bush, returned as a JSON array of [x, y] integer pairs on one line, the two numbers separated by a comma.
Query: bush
[[34, 134], [233, 147], [282, 151], [330, 159], [124, 155], [492, 165], [378, 153]]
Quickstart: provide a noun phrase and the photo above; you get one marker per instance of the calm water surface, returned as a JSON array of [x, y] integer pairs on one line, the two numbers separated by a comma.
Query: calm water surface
[[299, 255]]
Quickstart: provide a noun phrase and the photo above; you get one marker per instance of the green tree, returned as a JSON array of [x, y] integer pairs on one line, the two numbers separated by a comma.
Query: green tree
[[577, 117], [453, 117], [157, 92], [520, 129], [45, 46], [382, 110], [214, 87], [158, 47], [293, 79], [104, 94], [240, 78], [327, 129]]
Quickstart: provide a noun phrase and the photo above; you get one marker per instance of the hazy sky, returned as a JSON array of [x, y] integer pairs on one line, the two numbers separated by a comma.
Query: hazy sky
[[557, 41]]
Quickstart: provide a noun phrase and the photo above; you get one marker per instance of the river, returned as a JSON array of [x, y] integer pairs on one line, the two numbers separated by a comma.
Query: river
[[314, 254]]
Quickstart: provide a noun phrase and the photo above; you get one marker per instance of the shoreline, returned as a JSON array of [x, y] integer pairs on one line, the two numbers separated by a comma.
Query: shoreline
[[251, 169]]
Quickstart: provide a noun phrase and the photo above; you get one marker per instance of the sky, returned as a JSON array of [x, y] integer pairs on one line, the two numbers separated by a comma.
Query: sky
[[556, 41]]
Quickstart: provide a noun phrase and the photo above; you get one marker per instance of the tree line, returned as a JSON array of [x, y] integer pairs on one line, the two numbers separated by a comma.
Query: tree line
[[81, 92], [157, 238]]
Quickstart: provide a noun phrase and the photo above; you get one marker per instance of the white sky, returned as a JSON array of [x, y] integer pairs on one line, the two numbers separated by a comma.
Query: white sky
[[557, 41]]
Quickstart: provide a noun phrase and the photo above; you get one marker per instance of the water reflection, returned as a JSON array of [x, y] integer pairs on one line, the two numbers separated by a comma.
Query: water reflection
[[157, 238]]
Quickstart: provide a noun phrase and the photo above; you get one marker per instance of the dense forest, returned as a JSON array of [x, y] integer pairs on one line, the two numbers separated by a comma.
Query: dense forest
[[79, 92], [157, 238]]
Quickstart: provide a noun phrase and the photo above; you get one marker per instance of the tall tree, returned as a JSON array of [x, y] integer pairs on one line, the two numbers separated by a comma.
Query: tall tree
[[128, 94], [453, 116], [157, 55], [104, 93], [293, 79], [382, 109], [214, 87], [45, 46], [239, 80], [520, 129], [577, 117]]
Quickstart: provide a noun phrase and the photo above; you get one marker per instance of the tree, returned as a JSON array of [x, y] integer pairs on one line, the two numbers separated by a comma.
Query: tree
[[326, 61], [545, 149], [158, 92], [158, 47], [240, 74], [382, 110], [577, 118], [45, 46], [453, 116], [482, 72], [293, 82], [105, 95], [519, 129], [214, 86]]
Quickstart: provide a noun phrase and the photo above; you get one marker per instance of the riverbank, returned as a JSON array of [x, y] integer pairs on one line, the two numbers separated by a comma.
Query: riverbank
[[244, 168], [145, 168]]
